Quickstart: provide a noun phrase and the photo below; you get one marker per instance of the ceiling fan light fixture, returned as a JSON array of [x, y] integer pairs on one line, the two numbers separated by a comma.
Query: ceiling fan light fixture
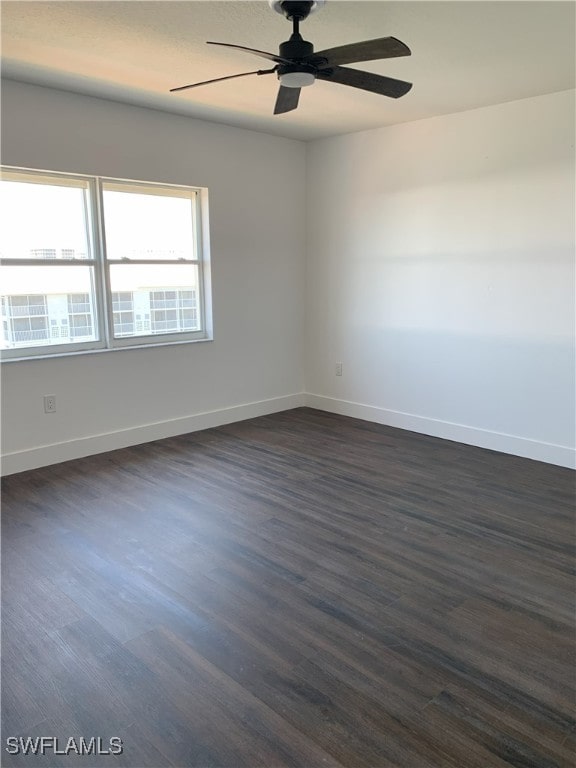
[[296, 79]]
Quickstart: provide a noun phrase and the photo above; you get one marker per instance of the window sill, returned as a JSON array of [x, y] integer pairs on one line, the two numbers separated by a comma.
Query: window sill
[[79, 352]]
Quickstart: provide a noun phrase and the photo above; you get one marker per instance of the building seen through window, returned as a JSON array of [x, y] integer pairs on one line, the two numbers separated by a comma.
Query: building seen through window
[[71, 317]]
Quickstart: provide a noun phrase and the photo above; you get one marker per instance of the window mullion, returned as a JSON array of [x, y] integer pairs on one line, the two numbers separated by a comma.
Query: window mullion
[[200, 250], [102, 271], [163, 262], [47, 262]]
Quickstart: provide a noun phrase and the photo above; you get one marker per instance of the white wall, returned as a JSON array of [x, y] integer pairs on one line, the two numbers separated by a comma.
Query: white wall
[[441, 274], [255, 184]]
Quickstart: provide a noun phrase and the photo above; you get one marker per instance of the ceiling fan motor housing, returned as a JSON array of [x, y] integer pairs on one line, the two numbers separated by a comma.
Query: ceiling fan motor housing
[[297, 74], [296, 48]]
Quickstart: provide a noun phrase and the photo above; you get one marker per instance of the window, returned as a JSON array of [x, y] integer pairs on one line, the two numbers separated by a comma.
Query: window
[[25, 319], [123, 312], [173, 310], [43, 253], [80, 314], [94, 263]]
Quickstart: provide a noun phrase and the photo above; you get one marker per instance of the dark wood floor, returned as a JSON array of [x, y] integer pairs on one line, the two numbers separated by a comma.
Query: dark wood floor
[[300, 589]]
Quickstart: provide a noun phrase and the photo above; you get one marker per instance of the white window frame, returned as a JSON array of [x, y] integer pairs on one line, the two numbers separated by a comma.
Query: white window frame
[[98, 261]]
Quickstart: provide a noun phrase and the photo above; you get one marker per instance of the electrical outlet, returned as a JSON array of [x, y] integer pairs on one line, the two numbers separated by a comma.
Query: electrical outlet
[[49, 403], [338, 369]]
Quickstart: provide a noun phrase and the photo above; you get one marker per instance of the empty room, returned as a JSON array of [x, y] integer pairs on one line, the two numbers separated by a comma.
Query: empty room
[[288, 384]]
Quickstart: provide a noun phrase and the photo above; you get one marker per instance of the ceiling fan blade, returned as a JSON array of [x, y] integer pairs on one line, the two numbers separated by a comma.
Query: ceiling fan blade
[[367, 81], [368, 50], [287, 100], [218, 79], [263, 54]]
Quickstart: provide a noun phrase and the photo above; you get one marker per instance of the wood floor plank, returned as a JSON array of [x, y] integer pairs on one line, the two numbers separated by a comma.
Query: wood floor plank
[[240, 727], [504, 722]]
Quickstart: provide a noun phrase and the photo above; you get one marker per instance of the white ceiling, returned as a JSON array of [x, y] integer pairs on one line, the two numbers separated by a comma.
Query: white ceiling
[[464, 55]]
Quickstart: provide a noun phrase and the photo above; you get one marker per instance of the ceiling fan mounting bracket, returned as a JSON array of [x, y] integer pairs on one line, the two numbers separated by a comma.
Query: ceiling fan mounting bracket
[[296, 10]]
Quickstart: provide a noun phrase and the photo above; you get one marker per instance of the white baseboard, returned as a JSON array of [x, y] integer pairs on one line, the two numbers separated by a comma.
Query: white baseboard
[[45, 455], [496, 441]]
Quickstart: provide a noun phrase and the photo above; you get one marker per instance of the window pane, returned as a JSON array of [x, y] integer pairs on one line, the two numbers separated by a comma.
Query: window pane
[[43, 221], [148, 226], [164, 299], [63, 313]]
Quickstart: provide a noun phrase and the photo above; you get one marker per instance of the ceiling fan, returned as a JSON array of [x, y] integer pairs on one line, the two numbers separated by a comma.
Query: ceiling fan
[[297, 65]]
